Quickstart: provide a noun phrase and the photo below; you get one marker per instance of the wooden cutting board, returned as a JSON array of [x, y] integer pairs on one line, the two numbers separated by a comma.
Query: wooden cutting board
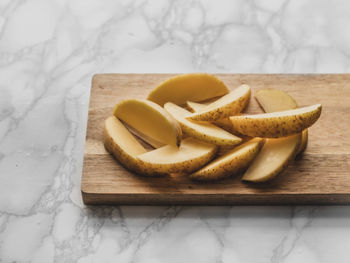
[[320, 176]]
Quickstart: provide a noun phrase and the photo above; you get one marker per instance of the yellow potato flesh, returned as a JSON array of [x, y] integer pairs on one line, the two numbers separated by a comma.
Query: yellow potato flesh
[[194, 87], [277, 124], [228, 105], [231, 163], [272, 100], [122, 144], [273, 158], [204, 131], [145, 138], [149, 119], [195, 106], [126, 141], [191, 155], [304, 141]]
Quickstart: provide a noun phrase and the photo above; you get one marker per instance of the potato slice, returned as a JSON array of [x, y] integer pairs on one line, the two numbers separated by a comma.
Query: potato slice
[[276, 153], [123, 145], [272, 100], [143, 137], [228, 105], [277, 124], [190, 156], [230, 163], [274, 156], [194, 87], [225, 123], [149, 119], [204, 131], [304, 141]]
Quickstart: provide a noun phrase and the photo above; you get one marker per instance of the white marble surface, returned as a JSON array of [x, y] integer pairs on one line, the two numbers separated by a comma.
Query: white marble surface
[[48, 52]]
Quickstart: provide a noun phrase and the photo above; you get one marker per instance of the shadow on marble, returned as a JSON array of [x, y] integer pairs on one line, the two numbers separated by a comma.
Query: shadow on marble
[[340, 213]]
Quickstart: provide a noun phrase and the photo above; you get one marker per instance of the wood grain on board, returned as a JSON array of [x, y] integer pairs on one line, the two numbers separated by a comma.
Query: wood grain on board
[[320, 176]]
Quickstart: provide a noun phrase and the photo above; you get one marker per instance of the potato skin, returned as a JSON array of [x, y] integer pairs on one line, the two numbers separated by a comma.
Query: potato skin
[[206, 138], [276, 100], [129, 162], [226, 110], [224, 123], [187, 166], [275, 127], [230, 167], [192, 128], [138, 166]]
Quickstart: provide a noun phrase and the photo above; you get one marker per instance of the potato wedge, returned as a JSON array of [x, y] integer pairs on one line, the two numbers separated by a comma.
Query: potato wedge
[[124, 147], [230, 163], [272, 100], [228, 105], [304, 141], [194, 87], [204, 131], [273, 158], [222, 123], [190, 156], [276, 153], [149, 119], [277, 124]]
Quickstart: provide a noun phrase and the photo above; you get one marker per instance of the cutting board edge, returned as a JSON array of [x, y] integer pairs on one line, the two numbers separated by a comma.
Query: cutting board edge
[[215, 199]]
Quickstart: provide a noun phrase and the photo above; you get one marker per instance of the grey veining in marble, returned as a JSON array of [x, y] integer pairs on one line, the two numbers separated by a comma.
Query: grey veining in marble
[[49, 50]]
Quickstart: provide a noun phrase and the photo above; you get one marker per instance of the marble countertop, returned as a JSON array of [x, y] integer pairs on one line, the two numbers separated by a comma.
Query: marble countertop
[[49, 51]]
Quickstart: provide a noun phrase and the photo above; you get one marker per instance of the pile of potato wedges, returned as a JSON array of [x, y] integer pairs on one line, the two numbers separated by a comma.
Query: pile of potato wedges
[[197, 126]]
